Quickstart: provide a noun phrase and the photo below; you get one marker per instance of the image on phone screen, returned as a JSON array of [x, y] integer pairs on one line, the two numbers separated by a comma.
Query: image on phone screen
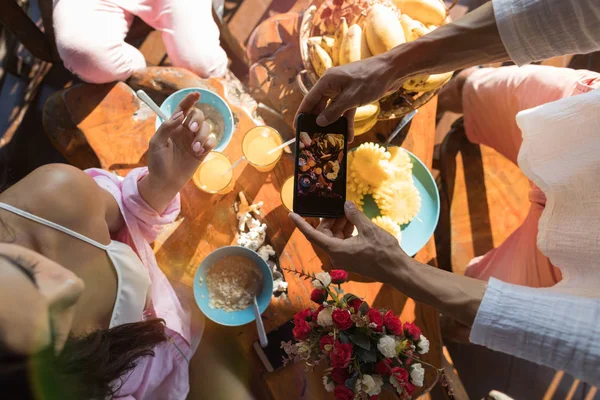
[[320, 173]]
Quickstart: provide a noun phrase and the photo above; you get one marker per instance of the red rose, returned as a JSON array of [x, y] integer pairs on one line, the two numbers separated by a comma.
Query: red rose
[[341, 355], [355, 303], [341, 392], [374, 397], [412, 331], [407, 359], [392, 323], [338, 276], [376, 318], [315, 314], [409, 387], [384, 367], [303, 315], [400, 374], [342, 319], [301, 330], [318, 295], [325, 340], [339, 375]]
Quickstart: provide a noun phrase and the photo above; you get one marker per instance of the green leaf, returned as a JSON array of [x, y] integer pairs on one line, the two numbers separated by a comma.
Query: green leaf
[[344, 338], [351, 382], [361, 340], [368, 356], [364, 308], [348, 297]]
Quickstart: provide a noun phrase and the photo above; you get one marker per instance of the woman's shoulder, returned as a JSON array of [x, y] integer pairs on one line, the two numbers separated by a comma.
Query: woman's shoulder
[[60, 193]]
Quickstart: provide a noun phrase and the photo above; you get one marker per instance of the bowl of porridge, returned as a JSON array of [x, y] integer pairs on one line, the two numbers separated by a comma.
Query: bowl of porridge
[[227, 281], [217, 113]]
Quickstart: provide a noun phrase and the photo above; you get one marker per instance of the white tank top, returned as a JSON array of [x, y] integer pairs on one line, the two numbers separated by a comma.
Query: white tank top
[[133, 280]]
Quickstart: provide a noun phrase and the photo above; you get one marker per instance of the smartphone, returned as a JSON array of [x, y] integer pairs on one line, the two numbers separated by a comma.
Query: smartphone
[[272, 355], [320, 167]]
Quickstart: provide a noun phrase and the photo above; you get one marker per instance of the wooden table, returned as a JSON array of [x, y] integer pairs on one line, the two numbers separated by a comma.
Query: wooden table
[[106, 126]]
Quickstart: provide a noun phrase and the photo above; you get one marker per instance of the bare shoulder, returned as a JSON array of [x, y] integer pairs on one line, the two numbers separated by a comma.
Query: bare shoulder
[[62, 194]]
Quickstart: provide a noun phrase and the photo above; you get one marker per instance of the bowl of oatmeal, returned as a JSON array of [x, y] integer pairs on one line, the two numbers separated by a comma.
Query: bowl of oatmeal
[[217, 113], [226, 282]]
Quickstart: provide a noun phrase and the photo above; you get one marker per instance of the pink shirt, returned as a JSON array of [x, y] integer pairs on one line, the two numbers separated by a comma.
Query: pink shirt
[[164, 376]]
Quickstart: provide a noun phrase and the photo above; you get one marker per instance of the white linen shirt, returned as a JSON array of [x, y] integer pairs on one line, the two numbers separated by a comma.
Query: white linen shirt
[[559, 326]]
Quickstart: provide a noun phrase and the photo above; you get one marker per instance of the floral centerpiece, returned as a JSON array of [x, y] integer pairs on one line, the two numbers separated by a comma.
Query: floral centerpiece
[[366, 349]]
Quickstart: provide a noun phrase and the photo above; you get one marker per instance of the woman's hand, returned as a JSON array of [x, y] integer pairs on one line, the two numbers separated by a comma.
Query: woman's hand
[[373, 253], [349, 86], [176, 150]]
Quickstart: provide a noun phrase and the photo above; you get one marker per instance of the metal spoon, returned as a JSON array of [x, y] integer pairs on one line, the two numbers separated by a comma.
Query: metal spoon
[[405, 121]]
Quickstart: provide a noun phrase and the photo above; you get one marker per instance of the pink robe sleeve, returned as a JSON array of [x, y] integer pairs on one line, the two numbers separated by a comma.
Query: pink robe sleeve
[[125, 191]]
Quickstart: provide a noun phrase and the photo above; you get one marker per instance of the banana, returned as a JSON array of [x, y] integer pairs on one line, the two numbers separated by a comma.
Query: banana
[[319, 58], [426, 83], [366, 111], [384, 31], [412, 29], [327, 43], [432, 27], [364, 46], [350, 50], [315, 39], [340, 33], [426, 11], [364, 126]]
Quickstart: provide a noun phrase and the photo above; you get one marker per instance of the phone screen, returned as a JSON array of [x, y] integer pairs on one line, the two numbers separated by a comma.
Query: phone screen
[[272, 355], [320, 170]]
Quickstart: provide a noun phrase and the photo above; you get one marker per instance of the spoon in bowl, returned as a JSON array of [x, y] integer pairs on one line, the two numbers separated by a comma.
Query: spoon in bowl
[[262, 335]]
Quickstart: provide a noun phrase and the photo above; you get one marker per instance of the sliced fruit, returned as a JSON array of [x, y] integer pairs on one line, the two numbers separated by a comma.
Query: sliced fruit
[[383, 29], [388, 225], [400, 201]]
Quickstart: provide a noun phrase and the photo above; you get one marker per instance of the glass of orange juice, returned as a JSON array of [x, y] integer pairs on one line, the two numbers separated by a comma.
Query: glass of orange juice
[[215, 174], [287, 193], [256, 145]]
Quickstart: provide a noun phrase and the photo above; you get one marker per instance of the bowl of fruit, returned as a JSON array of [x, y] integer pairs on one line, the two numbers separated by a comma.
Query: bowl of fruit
[[396, 190], [339, 32]]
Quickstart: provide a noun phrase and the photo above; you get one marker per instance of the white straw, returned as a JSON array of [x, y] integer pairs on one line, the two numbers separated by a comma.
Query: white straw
[[281, 146], [235, 164], [146, 99]]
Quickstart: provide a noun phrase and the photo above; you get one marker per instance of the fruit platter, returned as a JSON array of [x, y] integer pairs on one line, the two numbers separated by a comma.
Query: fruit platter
[[339, 32], [393, 188]]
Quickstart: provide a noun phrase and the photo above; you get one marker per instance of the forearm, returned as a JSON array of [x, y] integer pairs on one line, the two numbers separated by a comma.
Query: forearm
[[456, 296], [158, 194], [472, 40]]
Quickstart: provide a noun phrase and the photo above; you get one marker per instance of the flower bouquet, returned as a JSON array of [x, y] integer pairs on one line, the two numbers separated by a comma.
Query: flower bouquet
[[366, 349]]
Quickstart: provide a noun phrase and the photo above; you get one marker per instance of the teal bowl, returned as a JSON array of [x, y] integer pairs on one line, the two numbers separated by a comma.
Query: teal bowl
[[213, 106], [417, 232], [235, 318]]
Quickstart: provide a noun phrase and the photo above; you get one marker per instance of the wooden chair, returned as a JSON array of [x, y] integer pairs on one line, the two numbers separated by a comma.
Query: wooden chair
[[484, 198]]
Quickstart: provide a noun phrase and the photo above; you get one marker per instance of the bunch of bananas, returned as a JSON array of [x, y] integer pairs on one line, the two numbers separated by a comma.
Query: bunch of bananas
[[384, 28]]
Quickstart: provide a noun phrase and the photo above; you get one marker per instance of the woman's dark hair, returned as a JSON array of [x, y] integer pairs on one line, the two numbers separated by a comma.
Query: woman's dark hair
[[89, 367]]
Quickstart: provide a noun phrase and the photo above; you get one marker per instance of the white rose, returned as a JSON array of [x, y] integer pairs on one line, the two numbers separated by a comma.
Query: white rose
[[323, 280], [423, 345], [324, 318], [328, 383], [386, 345], [370, 385], [417, 375]]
